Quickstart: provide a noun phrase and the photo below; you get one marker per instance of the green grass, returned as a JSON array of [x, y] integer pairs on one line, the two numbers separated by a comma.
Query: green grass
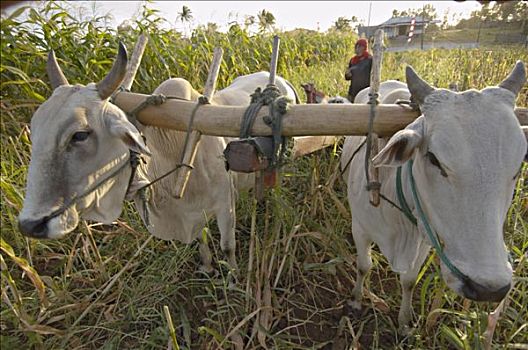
[[488, 36], [107, 286]]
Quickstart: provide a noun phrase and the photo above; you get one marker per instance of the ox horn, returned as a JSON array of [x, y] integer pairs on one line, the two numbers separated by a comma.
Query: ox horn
[[55, 74], [111, 82], [517, 78], [419, 88]]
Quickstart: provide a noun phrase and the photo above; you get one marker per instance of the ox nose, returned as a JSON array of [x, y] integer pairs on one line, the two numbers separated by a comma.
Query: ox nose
[[34, 228], [475, 291]]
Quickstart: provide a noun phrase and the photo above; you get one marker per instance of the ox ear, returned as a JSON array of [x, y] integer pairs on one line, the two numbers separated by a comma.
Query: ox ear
[[128, 134], [417, 86], [111, 82], [516, 80], [55, 74], [401, 146]]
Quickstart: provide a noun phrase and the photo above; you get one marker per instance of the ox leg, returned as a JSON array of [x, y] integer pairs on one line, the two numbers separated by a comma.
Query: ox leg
[[364, 263], [407, 282]]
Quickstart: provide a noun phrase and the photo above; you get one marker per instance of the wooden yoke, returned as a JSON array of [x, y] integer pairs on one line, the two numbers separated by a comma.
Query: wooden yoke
[[375, 80], [135, 60], [183, 173]]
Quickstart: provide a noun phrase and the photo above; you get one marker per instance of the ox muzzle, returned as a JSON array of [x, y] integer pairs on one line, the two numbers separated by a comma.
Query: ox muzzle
[[34, 228], [477, 292]]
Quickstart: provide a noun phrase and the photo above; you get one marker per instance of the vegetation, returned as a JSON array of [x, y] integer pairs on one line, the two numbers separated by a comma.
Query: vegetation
[[498, 14], [113, 287]]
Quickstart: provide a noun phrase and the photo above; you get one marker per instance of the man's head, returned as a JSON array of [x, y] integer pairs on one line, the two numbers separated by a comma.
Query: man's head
[[361, 46]]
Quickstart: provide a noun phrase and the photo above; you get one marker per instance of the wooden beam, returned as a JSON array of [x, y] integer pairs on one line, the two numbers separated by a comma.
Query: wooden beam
[[375, 81], [303, 145], [301, 120]]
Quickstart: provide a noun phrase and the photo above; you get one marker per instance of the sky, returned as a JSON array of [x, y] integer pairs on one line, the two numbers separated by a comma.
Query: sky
[[288, 14], [316, 15]]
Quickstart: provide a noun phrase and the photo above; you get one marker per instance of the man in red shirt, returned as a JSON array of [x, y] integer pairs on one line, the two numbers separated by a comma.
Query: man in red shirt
[[358, 71]]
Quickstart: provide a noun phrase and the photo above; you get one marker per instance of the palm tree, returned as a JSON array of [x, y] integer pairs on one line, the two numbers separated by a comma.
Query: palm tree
[[266, 20], [185, 14]]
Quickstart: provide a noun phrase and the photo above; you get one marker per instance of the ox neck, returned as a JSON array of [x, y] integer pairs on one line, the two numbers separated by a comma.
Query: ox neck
[[433, 236]]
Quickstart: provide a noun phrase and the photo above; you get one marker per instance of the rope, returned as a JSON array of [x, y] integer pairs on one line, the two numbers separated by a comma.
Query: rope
[[433, 237], [382, 196], [156, 100], [401, 198], [411, 103], [202, 100], [76, 197], [352, 156], [278, 106], [152, 100]]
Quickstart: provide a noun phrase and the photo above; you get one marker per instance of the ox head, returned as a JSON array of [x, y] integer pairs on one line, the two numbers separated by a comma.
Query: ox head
[[468, 149], [78, 139]]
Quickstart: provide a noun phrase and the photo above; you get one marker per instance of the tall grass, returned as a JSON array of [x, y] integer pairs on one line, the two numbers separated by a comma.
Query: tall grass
[[108, 286]]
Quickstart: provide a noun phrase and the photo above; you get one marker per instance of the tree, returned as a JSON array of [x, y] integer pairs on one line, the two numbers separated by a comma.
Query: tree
[[428, 11], [185, 15], [496, 14], [266, 20], [249, 21], [342, 24]]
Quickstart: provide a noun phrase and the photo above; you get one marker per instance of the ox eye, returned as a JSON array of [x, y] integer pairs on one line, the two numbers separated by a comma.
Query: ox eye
[[80, 136], [436, 163]]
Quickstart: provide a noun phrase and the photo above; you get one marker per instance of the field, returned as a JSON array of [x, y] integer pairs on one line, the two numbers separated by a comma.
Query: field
[[113, 287]]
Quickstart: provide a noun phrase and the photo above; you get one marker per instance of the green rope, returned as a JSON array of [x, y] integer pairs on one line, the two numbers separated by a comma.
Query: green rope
[[404, 206], [433, 237]]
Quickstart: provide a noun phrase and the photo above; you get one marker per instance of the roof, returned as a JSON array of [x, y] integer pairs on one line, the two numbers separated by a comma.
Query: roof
[[395, 21]]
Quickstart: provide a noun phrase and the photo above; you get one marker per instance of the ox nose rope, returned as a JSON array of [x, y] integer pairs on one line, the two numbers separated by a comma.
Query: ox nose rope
[[433, 237], [133, 161]]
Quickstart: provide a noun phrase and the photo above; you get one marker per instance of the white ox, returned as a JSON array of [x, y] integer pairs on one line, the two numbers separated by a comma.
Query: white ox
[[80, 139], [467, 149]]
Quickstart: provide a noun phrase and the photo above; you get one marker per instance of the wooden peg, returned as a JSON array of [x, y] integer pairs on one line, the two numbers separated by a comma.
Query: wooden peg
[[183, 173]]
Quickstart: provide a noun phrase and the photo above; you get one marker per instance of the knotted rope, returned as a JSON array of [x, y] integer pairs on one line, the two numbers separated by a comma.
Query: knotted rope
[[278, 107]]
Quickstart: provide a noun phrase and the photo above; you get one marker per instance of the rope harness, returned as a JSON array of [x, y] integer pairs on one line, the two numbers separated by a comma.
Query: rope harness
[[278, 107], [132, 160], [433, 236]]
